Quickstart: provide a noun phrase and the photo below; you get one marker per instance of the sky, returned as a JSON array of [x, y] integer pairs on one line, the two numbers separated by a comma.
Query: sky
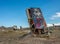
[[13, 12]]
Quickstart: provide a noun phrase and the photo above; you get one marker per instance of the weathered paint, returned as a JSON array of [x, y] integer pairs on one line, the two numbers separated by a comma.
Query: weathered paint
[[35, 17]]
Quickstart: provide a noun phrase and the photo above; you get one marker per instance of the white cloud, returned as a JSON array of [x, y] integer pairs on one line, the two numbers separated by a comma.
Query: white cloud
[[57, 15], [48, 25], [56, 24]]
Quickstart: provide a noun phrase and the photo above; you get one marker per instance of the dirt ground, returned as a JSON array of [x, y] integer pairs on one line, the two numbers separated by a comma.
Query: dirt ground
[[14, 38]]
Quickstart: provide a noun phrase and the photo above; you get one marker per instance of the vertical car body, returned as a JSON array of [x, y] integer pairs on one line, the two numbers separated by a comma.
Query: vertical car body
[[35, 18]]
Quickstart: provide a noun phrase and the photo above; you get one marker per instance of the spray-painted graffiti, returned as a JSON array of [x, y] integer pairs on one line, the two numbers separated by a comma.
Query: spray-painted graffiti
[[37, 17]]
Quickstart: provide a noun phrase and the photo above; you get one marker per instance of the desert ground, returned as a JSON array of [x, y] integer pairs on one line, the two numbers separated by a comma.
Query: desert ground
[[22, 37]]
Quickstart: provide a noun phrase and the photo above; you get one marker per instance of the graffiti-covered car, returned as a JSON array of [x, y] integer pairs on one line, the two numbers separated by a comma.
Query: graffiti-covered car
[[36, 19]]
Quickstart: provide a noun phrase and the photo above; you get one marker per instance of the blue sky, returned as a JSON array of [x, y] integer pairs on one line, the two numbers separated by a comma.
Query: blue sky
[[13, 12]]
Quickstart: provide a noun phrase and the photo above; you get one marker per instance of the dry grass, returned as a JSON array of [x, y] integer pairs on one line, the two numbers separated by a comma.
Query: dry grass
[[13, 37], [8, 36]]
